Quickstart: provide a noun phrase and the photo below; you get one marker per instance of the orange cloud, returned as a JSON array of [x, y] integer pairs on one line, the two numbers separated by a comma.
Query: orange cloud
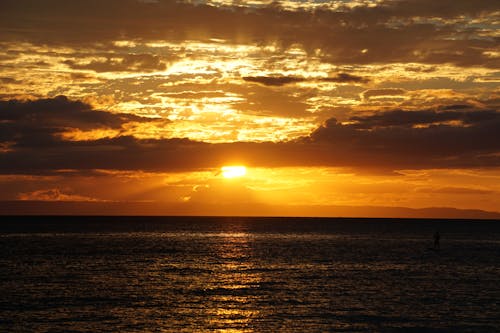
[[53, 194]]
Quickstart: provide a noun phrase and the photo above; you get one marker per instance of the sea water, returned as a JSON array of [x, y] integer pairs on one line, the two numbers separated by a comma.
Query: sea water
[[191, 274]]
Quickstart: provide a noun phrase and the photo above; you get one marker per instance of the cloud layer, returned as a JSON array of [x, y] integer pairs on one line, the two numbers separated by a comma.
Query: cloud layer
[[40, 123], [413, 31], [451, 137]]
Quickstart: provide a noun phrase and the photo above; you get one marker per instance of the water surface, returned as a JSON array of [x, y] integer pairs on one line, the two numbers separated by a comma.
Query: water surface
[[69, 274]]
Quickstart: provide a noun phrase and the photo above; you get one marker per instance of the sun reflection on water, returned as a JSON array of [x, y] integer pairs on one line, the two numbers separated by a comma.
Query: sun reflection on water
[[235, 285]]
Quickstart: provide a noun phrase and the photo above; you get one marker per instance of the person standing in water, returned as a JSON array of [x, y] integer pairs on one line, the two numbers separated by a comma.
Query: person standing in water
[[437, 237]]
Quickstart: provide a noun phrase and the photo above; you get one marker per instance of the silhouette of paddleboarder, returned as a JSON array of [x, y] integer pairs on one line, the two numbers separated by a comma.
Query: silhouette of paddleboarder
[[437, 238]]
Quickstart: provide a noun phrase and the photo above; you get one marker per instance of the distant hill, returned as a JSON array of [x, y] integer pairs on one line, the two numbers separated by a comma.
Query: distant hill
[[150, 208]]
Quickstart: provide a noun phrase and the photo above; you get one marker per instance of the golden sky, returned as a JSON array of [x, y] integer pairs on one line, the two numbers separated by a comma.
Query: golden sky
[[390, 103]]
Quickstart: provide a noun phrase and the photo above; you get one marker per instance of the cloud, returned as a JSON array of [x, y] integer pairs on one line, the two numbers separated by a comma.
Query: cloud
[[261, 100], [283, 80], [425, 117], [455, 190], [9, 80], [273, 80], [220, 192], [394, 139], [123, 63], [429, 8], [450, 31], [449, 137], [345, 78], [38, 122], [367, 94], [53, 194]]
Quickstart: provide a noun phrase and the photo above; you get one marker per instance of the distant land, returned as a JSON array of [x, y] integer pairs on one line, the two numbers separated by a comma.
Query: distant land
[[156, 209]]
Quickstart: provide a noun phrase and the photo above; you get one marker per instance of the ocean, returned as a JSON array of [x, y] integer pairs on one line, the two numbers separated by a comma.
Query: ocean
[[237, 274]]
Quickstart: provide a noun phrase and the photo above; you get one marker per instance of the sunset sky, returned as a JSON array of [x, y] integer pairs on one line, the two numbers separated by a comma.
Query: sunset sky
[[390, 103]]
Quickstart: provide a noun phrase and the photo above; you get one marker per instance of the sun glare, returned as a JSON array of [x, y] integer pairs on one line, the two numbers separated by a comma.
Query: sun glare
[[233, 171]]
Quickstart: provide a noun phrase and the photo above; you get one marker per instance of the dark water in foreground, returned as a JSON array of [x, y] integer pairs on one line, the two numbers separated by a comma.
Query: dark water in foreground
[[174, 274]]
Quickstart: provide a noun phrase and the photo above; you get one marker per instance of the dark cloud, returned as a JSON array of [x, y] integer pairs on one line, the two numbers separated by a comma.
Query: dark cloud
[[123, 63], [36, 123], [393, 31], [283, 80], [9, 80], [382, 92], [345, 78], [273, 80], [119, 153], [393, 140], [424, 117], [81, 76], [443, 8], [456, 107]]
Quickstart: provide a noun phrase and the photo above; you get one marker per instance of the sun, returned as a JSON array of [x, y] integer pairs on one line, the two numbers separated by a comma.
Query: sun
[[233, 171]]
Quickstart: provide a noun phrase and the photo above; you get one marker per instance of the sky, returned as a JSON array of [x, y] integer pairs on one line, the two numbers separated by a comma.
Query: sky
[[357, 104]]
